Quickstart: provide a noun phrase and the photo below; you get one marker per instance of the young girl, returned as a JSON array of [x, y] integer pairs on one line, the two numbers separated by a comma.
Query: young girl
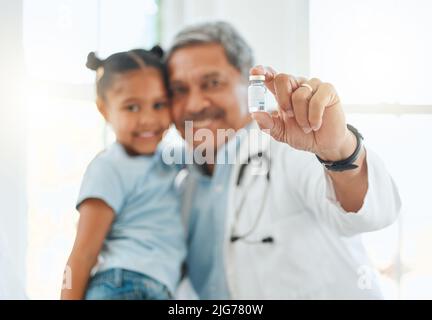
[[129, 211]]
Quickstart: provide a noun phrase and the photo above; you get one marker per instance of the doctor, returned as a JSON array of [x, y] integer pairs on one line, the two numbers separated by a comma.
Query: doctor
[[295, 231]]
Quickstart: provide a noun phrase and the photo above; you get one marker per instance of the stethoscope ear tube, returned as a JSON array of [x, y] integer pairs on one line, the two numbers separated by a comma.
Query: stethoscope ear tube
[[241, 172], [243, 237], [266, 240]]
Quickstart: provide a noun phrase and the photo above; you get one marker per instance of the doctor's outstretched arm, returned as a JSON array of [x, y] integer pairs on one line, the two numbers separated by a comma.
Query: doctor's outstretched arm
[[311, 118]]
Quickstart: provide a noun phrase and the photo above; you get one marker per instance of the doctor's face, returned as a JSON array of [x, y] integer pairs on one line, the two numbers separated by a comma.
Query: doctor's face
[[207, 90]]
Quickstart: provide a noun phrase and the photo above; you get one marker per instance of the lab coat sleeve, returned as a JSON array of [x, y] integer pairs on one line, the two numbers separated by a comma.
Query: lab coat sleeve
[[380, 207]]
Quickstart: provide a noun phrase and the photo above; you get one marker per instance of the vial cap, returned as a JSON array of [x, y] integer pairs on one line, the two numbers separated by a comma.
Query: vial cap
[[257, 77]]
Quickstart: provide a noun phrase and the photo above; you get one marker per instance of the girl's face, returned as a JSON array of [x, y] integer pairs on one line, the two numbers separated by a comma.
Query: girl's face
[[137, 107]]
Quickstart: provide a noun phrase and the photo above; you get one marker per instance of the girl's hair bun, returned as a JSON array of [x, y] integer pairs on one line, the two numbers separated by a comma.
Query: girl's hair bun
[[157, 51], [93, 62]]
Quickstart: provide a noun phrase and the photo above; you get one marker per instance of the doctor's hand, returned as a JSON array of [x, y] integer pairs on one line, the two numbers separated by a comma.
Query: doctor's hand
[[309, 117]]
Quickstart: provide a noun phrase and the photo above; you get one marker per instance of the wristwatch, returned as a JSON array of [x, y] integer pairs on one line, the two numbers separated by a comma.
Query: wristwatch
[[348, 163]]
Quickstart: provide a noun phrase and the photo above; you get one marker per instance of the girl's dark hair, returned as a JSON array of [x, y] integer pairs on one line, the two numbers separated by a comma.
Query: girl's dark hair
[[122, 62]]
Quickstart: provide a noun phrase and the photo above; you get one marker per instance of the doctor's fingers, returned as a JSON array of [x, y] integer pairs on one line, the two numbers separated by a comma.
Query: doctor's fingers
[[285, 86], [324, 97], [271, 124], [301, 103], [269, 74]]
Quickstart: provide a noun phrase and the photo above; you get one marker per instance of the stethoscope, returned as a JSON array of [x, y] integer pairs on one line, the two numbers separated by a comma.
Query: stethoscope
[[244, 236]]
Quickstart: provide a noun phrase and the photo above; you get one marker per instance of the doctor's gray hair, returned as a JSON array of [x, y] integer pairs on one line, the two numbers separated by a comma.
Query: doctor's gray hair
[[238, 52]]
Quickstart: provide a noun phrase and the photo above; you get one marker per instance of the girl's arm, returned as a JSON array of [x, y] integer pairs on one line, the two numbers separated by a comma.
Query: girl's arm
[[94, 223]]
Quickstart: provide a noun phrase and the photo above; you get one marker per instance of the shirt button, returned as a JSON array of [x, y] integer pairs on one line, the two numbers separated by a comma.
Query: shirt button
[[219, 188]]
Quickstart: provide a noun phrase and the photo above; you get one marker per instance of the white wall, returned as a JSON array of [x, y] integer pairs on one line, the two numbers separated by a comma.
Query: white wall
[[260, 22], [12, 153]]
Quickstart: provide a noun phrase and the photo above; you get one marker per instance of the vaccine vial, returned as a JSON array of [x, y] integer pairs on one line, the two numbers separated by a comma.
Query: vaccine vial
[[256, 93]]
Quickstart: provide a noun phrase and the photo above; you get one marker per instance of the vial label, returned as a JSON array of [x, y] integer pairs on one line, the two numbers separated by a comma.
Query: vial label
[[256, 98]]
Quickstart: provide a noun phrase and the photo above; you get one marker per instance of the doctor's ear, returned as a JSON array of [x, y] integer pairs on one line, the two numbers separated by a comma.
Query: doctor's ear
[[102, 107]]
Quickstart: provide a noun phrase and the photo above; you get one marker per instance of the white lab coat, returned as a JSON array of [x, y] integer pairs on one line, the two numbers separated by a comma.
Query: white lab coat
[[317, 251]]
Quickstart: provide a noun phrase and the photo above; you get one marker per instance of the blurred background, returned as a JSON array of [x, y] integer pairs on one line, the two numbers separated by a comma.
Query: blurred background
[[376, 53]]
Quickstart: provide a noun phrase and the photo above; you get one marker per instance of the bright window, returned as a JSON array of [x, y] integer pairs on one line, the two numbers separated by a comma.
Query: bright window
[[373, 51]]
